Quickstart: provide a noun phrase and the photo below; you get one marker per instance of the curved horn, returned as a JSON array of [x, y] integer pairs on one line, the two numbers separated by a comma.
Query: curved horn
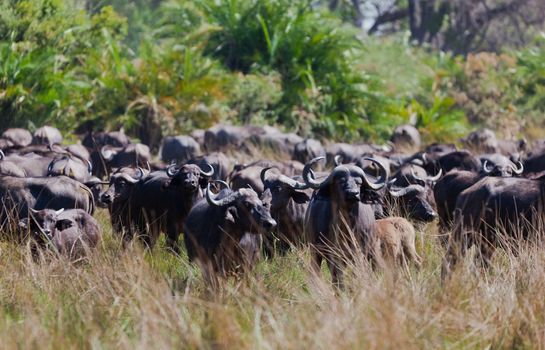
[[172, 170], [223, 183], [296, 185], [338, 160], [2, 155], [220, 202], [416, 177], [404, 191], [262, 174], [485, 167], [309, 180], [381, 182], [518, 170], [148, 166], [89, 167], [210, 173], [437, 176], [33, 211]]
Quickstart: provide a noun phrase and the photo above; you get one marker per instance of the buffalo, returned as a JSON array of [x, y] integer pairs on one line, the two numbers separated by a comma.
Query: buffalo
[[221, 232], [337, 217], [71, 233], [492, 213], [162, 201], [288, 200], [21, 194]]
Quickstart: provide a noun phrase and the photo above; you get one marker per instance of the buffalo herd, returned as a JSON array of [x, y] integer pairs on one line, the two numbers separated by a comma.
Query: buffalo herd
[[237, 193]]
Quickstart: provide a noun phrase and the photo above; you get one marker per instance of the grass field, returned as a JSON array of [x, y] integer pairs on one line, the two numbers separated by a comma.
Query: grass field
[[128, 298]]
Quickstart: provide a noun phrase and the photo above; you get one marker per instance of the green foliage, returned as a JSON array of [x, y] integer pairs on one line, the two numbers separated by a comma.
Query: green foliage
[[176, 65]]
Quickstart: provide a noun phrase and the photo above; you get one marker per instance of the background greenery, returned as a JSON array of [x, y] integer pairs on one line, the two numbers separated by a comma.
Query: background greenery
[[177, 65]]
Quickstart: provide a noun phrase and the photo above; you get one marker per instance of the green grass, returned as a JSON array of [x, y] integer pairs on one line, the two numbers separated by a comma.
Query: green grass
[[126, 298]]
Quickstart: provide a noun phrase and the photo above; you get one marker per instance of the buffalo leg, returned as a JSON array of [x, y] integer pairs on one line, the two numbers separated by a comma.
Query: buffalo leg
[[173, 235]]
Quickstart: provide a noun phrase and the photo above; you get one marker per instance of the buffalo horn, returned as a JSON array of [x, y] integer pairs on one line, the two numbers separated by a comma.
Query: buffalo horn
[[172, 170], [210, 173], [382, 179], [518, 170], [403, 191], [485, 167], [233, 196], [262, 174], [338, 160], [437, 176], [2, 155], [310, 180]]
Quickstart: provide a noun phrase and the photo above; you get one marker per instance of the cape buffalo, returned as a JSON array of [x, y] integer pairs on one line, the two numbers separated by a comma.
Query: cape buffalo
[[18, 195], [221, 230], [162, 201], [337, 220], [287, 200], [395, 241], [47, 135], [495, 212], [406, 137], [19, 137], [179, 149], [71, 233]]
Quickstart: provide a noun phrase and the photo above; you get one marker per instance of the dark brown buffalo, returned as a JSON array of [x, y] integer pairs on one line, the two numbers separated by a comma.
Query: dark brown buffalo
[[495, 212], [308, 149], [118, 198], [95, 141], [406, 137], [72, 233], [110, 158], [72, 167], [412, 202], [287, 200], [18, 195], [179, 149], [244, 176], [447, 189], [220, 162], [337, 220], [162, 201], [221, 232]]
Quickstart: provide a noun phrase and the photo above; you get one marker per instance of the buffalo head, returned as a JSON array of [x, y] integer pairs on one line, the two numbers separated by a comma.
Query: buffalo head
[[414, 203], [506, 169], [347, 182], [121, 184], [279, 189], [41, 224], [189, 177], [243, 208]]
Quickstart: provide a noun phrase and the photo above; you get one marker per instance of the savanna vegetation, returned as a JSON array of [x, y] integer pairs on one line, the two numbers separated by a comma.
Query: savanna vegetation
[[305, 66]]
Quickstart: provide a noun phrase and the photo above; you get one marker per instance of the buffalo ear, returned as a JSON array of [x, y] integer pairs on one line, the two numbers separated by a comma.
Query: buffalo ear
[[230, 214], [64, 224], [300, 197]]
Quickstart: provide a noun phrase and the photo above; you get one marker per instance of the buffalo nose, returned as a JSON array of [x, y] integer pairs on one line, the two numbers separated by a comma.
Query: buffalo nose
[[431, 215], [105, 198], [269, 224], [47, 232]]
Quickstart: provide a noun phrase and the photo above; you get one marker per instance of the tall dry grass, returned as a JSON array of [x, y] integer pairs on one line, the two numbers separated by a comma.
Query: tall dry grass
[[128, 298]]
